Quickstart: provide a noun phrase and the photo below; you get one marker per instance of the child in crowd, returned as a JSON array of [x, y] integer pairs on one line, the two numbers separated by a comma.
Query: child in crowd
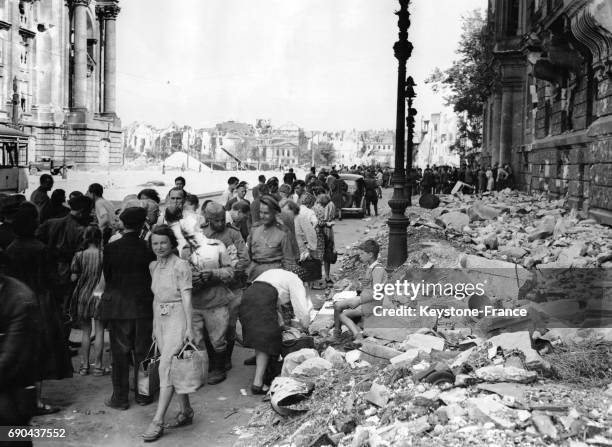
[[87, 273], [350, 310]]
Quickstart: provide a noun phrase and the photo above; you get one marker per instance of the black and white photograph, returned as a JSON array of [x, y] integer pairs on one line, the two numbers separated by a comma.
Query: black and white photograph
[[306, 223]]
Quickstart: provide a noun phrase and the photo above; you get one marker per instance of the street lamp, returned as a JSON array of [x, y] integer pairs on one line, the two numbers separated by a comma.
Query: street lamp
[[64, 137], [398, 222], [410, 122]]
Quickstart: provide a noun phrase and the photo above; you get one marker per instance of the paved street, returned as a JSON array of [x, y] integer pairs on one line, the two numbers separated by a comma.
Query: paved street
[[218, 409]]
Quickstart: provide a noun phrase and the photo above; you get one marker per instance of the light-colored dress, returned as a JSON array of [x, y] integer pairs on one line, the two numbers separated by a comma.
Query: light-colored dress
[[87, 265], [170, 276]]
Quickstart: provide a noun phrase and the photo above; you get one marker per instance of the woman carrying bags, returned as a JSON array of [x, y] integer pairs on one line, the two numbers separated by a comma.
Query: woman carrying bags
[[171, 285]]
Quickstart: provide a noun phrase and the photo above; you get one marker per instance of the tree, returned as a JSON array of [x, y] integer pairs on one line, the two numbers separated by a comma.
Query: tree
[[325, 153], [469, 80]]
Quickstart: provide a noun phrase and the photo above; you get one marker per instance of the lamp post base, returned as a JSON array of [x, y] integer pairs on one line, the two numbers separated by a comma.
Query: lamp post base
[[398, 224]]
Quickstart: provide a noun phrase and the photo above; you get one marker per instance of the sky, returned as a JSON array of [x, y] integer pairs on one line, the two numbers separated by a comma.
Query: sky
[[321, 64]]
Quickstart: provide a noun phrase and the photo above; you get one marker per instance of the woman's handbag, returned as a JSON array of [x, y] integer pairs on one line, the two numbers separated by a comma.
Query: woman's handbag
[[148, 373], [189, 369]]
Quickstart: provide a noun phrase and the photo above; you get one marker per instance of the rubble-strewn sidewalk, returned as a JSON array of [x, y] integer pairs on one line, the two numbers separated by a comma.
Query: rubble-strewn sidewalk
[[461, 382]]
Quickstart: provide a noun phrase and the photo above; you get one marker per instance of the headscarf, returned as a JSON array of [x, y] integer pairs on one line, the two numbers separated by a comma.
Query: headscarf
[[308, 200]]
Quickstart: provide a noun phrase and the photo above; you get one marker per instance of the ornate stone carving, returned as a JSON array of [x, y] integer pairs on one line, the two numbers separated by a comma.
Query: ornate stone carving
[[108, 12], [592, 27]]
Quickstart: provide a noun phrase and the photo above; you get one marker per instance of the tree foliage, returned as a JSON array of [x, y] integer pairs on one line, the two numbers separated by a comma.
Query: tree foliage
[[468, 81]]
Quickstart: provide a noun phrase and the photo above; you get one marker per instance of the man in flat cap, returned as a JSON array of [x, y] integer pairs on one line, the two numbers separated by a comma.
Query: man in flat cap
[[127, 304]]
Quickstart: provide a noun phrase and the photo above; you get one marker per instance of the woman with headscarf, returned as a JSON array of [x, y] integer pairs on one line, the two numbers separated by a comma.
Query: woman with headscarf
[[263, 317], [313, 266], [325, 210]]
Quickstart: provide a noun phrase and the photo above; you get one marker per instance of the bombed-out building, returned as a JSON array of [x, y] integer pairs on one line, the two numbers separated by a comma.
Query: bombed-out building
[[58, 77], [549, 113]]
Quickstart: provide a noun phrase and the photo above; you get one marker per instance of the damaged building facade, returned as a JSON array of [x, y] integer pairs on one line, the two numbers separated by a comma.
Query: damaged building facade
[[549, 113], [58, 78]]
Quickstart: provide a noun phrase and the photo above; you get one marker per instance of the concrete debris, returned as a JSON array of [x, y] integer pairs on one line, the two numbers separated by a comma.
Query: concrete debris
[[518, 341], [496, 373], [465, 382], [423, 342], [480, 211], [544, 425], [491, 409], [454, 220], [405, 359], [379, 395]]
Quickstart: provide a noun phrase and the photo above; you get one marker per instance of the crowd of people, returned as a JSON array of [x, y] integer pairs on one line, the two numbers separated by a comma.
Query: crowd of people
[[477, 178], [167, 271]]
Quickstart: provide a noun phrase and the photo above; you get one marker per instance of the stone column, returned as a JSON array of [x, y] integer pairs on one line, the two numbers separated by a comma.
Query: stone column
[[79, 86], [108, 13], [496, 128], [505, 139]]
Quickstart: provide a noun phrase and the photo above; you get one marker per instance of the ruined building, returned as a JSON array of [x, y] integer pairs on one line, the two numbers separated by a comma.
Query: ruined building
[[58, 77], [550, 111]]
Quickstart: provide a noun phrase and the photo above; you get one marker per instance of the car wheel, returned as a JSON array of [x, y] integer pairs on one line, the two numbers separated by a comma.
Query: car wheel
[[33, 170]]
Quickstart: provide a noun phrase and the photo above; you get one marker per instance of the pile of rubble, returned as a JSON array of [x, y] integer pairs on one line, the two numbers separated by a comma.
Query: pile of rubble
[[450, 386], [427, 390], [529, 230]]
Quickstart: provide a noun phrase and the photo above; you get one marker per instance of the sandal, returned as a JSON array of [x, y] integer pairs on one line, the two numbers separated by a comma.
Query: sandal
[[181, 420], [84, 370], [43, 409], [154, 432]]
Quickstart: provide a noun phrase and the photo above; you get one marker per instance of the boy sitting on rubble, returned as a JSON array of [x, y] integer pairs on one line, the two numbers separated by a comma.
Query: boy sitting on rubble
[[350, 310]]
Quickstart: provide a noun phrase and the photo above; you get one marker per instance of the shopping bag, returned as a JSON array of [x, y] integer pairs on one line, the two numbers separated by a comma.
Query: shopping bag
[[148, 373], [189, 369]]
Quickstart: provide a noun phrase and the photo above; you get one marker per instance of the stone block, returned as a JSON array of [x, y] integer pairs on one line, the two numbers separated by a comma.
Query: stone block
[[599, 152], [604, 88], [379, 395], [575, 188], [604, 106], [601, 197], [601, 174]]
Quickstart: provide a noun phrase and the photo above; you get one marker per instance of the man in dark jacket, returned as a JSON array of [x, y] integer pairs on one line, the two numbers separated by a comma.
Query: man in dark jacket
[[18, 308], [127, 304], [64, 237]]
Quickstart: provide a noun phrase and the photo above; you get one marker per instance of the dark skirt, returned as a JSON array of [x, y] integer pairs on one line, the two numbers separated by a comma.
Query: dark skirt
[[259, 318], [54, 358]]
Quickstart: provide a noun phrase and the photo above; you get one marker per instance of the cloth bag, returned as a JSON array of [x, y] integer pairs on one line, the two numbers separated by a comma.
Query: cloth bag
[[148, 373], [189, 369], [293, 340]]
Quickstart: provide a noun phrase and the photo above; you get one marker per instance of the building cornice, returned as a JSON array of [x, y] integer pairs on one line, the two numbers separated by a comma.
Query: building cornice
[[592, 29], [108, 11]]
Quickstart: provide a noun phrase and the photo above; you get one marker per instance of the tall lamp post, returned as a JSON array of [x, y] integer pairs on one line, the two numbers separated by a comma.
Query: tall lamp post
[[410, 122], [398, 222], [64, 137]]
